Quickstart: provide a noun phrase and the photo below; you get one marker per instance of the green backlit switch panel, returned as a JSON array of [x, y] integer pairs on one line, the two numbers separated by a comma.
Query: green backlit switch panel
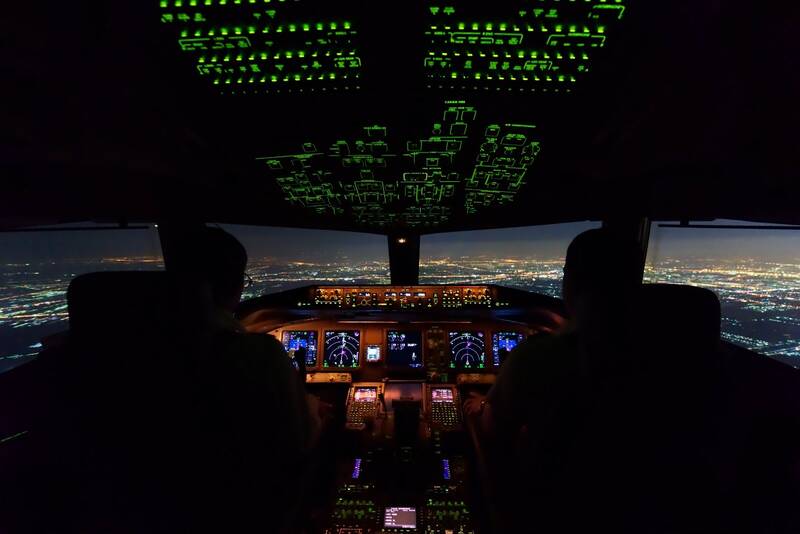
[[533, 45], [258, 46], [505, 155], [460, 166]]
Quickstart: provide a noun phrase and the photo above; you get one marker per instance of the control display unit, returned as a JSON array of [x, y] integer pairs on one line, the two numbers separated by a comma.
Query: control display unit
[[443, 406], [400, 517], [294, 340], [363, 402], [504, 342], [467, 350], [404, 349], [342, 348]]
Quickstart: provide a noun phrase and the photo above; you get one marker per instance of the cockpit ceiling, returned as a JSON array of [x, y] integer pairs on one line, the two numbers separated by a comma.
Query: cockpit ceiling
[[454, 162], [261, 47], [425, 117]]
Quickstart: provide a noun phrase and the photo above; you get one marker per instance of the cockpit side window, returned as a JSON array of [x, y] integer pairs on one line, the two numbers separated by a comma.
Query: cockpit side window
[[755, 272], [530, 258], [286, 258], [37, 265]]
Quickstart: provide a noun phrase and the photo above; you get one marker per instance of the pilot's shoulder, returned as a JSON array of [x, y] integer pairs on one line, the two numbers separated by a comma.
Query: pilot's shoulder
[[256, 349], [544, 349]]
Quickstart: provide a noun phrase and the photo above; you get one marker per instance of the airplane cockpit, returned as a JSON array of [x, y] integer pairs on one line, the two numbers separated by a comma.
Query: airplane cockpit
[[346, 395]]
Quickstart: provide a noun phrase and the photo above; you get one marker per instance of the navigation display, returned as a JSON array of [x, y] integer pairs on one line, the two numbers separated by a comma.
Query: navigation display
[[404, 349], [441, 395], [342, 348], [400, 517], [467, 350], [365, 394], [294, 340], [504, 341]]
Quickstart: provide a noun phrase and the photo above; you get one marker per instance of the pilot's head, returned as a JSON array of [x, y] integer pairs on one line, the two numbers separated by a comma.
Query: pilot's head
[[222, 261], [602, 270]]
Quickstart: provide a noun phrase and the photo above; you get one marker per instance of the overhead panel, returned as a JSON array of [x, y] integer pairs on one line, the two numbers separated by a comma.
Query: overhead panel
[[544, 45], [461, 164], [458, 162], [253, 46]]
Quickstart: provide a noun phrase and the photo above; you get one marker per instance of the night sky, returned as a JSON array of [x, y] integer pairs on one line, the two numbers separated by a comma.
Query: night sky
[[544, 242], [782, 246]]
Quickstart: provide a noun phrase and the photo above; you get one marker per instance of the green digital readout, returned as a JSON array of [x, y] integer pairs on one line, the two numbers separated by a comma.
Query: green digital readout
[[543, 45], [249, 46], [462, 165]]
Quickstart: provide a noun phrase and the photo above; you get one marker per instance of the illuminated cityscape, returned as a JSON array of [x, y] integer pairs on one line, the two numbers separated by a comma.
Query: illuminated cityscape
[[760, 301]]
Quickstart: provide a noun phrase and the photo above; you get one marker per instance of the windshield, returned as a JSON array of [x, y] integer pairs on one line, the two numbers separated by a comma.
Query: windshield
[[36, 269], [285, 258], [530, 258], [755, 274]]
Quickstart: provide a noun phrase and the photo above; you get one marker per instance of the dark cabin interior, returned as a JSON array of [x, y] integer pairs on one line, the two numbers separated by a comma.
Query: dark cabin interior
[[402, 121]]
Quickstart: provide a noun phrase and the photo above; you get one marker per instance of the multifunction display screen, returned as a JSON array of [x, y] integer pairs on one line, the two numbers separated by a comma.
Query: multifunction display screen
[[467, 350], [503, 343], [342, 348], [404, 349], [294, 340]]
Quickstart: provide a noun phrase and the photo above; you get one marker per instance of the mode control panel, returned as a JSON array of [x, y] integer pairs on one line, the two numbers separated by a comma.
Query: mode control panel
[[402, 297]]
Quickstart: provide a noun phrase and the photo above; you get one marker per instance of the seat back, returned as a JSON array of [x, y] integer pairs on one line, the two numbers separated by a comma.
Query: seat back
[[634, 435], [661, 412], [113, 397]]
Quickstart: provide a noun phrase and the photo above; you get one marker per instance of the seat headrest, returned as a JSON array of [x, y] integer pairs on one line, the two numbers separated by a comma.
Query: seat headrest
[[681, 314], [132, 301]]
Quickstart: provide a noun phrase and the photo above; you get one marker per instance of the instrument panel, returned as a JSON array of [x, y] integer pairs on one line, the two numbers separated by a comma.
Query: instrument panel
[[406, 348], [395, 363]]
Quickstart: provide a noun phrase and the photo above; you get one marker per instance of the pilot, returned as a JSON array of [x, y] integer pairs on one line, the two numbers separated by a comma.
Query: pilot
[[221, 261], [262, 423], [543, 387], [594, 289]]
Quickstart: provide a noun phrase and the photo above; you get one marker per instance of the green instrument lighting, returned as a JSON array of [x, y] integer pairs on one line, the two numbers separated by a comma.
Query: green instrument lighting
[[269, 49], [544, 49], [378, 180]]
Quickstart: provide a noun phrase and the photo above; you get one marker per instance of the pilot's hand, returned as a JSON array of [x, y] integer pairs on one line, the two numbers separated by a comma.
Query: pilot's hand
[[313, 406], [474, 404], [325, 410]]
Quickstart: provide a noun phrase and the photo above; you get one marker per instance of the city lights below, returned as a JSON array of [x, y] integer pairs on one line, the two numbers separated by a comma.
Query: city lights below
[[760, 301]]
